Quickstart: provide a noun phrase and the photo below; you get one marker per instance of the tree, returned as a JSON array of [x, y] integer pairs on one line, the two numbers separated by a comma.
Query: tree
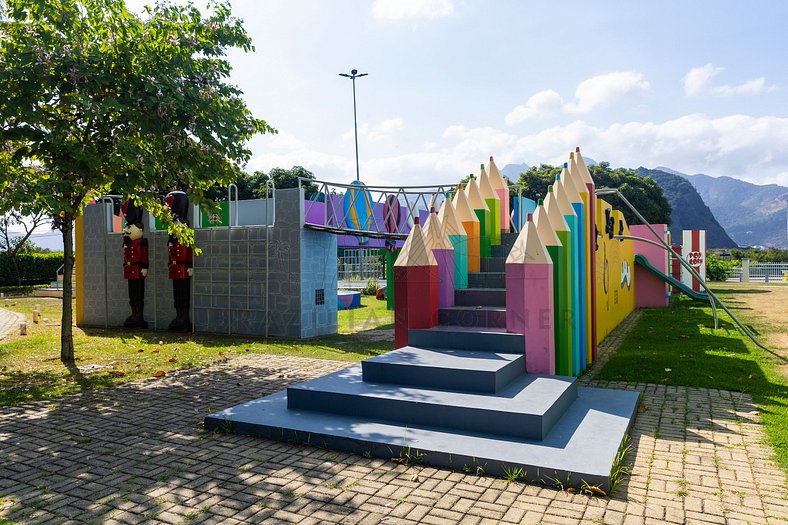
[[644, 193], [253, 186], [13, 245], [93, 97], [289, 179]]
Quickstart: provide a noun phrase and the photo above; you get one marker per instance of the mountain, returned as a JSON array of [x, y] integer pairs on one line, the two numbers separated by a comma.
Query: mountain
[[689, 210], [754, 215], [513, 171]]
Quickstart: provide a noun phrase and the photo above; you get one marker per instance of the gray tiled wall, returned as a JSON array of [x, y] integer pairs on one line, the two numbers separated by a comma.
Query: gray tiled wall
[[229, 286]]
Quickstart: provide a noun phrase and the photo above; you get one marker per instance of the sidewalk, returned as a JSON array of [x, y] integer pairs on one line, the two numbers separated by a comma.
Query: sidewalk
[[136, 454], [9, 322]]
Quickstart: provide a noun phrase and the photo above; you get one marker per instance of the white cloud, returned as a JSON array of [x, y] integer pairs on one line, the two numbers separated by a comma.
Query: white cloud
[[541, 105], [741, 146], [603, 90], [412, 9], [698, 81], [378, 131]]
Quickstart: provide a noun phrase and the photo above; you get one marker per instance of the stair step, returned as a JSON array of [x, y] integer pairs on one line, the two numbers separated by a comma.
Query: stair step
[[487, 279], [581, 446], [462, 338], [502, 250], [527, 408], [509, 238], [458, 370], [493, 264], [485, 317], [480, 297]]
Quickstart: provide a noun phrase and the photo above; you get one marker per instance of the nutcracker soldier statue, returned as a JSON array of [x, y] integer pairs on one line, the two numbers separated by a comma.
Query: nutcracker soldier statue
[[135, 263], [179, 263]]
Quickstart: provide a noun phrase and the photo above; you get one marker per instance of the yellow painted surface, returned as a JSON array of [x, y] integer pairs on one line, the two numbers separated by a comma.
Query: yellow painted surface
[[79, 314], [615, 286]]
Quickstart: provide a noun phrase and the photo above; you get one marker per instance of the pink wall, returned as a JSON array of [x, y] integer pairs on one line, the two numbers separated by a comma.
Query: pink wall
[[650, 290]]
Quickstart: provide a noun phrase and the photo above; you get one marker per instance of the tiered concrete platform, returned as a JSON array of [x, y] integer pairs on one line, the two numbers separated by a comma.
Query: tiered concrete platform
[[457, 397]]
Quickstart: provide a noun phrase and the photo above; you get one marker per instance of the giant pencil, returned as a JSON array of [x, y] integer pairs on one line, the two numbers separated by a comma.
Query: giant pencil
[[588, 248], [501, 188], [482, 212], [459, 241], [529, 299], [579, 254], [441, 247], [416, 287], [494, 204], [571, 219], [563, 343], [472, 226], [561, 228], [589, 182]]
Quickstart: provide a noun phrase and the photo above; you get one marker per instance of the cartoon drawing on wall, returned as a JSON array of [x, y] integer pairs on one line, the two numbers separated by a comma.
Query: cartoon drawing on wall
[[626, 276]]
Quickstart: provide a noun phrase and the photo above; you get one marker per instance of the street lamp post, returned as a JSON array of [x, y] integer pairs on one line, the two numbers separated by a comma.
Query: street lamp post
[[354, 74]]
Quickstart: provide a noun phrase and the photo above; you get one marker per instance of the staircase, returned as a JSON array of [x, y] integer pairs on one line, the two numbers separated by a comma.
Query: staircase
[[459, 397]]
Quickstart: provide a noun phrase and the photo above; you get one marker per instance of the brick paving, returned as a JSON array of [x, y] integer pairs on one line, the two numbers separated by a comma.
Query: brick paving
[[136, 454]]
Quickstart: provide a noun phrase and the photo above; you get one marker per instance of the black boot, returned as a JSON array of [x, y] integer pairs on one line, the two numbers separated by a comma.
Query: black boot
[[136, 319], [181, 322]]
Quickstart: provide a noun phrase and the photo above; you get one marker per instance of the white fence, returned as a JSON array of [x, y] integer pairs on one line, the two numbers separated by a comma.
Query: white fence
[[760, 272]]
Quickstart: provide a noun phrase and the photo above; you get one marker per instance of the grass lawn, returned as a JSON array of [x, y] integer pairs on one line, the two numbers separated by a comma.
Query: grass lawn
[[30, 367], [677, 346]]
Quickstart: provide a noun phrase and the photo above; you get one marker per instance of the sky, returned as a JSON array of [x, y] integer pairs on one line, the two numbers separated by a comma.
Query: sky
[[696, 86]]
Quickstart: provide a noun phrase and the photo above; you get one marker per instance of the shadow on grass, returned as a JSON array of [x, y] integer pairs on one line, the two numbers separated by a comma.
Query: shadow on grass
[[677, 347]]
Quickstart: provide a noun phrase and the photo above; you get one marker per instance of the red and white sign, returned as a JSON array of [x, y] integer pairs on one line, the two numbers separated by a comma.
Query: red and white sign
[[694, 252]]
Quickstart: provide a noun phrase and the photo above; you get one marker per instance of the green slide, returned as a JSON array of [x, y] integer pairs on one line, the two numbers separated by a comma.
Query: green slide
[[642, 261]]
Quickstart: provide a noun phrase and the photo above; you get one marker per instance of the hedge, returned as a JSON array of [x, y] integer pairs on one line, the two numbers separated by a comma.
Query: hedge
[[36, 268]]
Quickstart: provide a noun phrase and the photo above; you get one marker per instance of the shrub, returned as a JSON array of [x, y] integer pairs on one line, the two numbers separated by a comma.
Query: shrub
[[371, 288], [718, 269], [35, 268]]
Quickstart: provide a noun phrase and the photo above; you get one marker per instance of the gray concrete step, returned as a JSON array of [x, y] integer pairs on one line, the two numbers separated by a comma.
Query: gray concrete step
[[456, 370], [527, 408], [464, 338], [480, 297], [487, 280], [580, 447], [493, 264], [470, 316]]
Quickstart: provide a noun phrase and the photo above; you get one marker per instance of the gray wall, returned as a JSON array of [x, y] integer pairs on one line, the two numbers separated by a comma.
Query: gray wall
[[229, 282]]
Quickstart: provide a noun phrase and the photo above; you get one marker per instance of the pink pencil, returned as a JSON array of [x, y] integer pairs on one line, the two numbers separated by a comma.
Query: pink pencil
[[529, 299]]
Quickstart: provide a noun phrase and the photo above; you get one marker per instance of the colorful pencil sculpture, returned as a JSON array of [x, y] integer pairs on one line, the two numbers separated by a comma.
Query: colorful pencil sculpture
[[562, 231], [494, 204], [437, 241], [472, 226], [482, 212], [501, 189], [561, 309], [589, 183], [459, 241], [529, 299], [571, 219], [416, 287], [579, 252], [588, 248]]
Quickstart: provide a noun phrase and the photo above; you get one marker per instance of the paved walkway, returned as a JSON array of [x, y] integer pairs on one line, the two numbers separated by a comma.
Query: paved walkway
[[9, 322], [136, 454]]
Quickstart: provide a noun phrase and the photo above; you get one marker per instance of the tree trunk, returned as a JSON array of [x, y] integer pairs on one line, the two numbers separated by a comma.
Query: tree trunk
[[66, 335], [16, 269]]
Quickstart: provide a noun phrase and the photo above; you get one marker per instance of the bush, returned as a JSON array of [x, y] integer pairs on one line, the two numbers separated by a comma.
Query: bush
[[718, 269], [371, 288], [35, 268]]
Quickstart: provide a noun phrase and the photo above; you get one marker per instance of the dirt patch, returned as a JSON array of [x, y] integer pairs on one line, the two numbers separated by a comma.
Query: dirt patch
[[764, 308]]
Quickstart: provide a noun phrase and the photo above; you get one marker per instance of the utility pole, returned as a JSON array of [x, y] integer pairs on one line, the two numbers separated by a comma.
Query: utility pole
[[354, 74]]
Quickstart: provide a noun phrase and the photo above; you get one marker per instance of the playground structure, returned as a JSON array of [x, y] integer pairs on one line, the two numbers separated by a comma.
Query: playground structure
[[499, 305], [481, 374]]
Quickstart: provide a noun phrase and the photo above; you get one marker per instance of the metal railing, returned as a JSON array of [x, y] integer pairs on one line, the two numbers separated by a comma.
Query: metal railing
[[761, 272], [334, 216], [713, 299]]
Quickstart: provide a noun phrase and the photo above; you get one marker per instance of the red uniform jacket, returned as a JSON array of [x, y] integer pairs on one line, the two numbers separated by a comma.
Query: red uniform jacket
[[179, 260], [135, 258]]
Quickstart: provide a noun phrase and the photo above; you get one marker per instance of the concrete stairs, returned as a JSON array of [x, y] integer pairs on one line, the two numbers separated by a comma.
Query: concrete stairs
[[458, 396]]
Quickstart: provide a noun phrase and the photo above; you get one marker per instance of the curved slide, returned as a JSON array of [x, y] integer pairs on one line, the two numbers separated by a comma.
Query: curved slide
[[642, 261]]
